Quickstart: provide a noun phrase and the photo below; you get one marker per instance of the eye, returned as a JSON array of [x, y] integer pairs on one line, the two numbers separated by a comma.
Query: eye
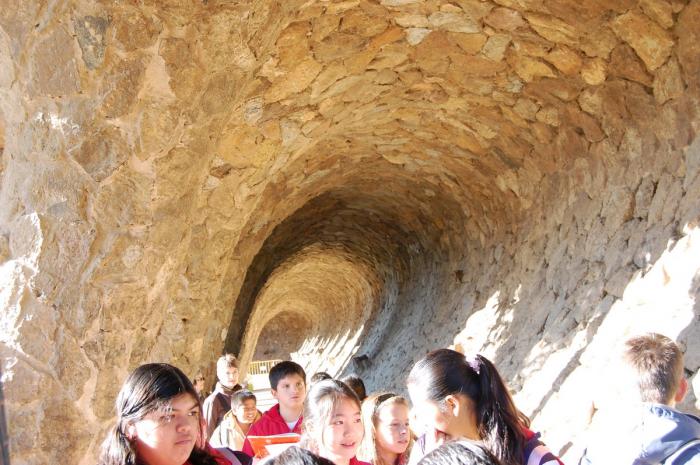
[[358, 420], [194, 413], [166, 418]]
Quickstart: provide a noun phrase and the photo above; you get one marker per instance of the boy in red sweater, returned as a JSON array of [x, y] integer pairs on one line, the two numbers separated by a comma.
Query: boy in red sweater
[[288, 386]]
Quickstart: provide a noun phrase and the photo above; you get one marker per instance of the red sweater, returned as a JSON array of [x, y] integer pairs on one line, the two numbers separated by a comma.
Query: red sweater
[[354, 461], [270, 424]]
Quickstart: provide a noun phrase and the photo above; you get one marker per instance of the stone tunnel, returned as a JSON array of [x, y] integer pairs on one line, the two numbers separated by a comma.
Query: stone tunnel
[[352, 183]]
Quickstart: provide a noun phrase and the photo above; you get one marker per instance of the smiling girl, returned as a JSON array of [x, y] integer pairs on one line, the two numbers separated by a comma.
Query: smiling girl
[[158, 421], [332, 423], [387, 434]]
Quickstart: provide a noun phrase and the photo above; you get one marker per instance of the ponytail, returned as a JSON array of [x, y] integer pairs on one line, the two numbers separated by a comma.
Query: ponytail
[[116, 448], [500, 423], [445, 372]]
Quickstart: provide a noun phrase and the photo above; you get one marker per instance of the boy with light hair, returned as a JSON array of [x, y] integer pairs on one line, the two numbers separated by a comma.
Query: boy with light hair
[[218, 403], [650, 430]]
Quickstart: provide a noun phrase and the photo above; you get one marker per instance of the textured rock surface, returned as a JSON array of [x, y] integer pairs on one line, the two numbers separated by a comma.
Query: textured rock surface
[[180, 178]]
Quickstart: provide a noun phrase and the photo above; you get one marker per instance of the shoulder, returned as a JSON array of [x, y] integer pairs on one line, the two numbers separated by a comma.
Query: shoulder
[[536, 452]]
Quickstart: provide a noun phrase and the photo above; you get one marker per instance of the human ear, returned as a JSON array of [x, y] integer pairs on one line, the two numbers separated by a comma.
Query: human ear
[[682, 391], [274, 393], [452, 405], [130, 431]]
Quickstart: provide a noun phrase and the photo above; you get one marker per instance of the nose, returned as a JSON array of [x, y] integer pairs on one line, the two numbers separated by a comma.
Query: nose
[[183, 424]]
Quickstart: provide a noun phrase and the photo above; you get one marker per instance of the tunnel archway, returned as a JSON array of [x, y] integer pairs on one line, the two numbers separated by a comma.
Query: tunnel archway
[[509, 177]]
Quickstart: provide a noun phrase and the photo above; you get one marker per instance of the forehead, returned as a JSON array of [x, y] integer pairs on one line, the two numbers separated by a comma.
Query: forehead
[[392, 410], [345, 407], [247, 403], [184, 401], [292, 379]]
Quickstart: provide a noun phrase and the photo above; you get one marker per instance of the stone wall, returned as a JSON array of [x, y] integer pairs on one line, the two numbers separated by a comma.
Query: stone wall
[[518, 178]]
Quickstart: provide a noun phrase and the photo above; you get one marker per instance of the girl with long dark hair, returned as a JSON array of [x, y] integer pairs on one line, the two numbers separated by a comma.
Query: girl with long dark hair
[[158, 421], [462, 397]]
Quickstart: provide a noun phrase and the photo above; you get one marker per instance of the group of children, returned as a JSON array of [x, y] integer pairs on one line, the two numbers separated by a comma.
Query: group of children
[[462, 414]]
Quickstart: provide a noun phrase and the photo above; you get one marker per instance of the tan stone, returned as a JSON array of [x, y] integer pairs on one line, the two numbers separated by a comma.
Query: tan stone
[[688, 40], [419, 21], [453, 22], [565, 60], [553, 29], [470, 43], [495, 47], [54, 70], [415, 36], [337, 45], [505, 19], [362, 24], [599, 42], [652, 43], [625, 63], [668, 83], [530, 68], [297, 80], [660, 11], [594, 71], [327, 77]]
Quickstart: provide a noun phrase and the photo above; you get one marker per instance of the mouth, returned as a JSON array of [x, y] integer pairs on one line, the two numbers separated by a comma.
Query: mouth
[[348, 445], [184, 441]]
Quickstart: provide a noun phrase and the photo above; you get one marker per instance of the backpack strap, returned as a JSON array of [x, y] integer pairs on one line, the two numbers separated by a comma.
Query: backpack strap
[[229, 455], [680, 450]]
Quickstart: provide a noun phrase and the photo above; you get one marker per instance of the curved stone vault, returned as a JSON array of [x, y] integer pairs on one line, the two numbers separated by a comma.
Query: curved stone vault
[[514, 177]]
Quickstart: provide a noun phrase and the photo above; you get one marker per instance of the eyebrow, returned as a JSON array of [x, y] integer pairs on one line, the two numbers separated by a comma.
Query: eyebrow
[[195, 405]]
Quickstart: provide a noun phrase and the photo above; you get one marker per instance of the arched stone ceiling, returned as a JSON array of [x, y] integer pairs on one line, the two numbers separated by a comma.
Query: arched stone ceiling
[[509, 175]]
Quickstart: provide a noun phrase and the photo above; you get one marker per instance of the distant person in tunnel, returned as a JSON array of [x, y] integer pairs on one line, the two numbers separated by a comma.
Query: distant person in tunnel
[[233, 429], [356, 384], [158, 422], [462, 397], [218, 403], [333, 422], [387, 440], [288, 386], [645, 428]]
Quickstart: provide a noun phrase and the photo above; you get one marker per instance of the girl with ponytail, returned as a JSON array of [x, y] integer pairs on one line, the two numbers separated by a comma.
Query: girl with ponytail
[[466, 398], [158, 421]]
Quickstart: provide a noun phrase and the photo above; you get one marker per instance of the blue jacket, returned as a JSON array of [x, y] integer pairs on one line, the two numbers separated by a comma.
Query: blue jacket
[[649, 438]]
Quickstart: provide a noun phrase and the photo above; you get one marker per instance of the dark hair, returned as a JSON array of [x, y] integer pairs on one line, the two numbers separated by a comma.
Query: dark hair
[[500, 424], [148, 388], [356, 384], [284, 369], [318, 408], [319, 376], [297, 456], [238, 397], [459, 453]]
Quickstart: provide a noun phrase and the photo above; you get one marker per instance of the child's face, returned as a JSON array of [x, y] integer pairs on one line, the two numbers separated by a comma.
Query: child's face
[[342, 436], [392, 430], [290, 392], [228, 376], [246, 410], [167, 435]]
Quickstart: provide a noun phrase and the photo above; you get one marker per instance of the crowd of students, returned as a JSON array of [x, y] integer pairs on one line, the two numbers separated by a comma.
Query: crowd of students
[[460, 413]]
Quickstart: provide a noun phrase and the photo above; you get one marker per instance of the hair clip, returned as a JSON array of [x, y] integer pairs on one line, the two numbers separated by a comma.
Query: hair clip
[[474, 363]]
